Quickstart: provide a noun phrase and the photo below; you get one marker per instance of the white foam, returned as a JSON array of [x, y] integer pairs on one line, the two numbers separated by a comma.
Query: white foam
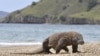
[[25, 43]]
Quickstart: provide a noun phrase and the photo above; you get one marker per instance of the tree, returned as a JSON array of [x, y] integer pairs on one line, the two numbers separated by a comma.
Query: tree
[[64, 7], [80, 1], [34, 3], [91, 4]]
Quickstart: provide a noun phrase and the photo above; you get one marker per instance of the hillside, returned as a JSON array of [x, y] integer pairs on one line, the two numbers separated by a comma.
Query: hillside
[[55, 7], [57, 12], [94, 13], [3, 14]]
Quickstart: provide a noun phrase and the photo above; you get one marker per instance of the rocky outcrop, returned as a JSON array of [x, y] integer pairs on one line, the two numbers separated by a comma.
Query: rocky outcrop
[[70, 20], [23, 19], [48, 19], [83, 21]]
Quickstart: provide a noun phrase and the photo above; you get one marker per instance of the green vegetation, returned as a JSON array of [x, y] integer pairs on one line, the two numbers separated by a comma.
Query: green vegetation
[[93, 14], [34, 3], [59, 10], [55, 8], [91, 4], [80, 1]]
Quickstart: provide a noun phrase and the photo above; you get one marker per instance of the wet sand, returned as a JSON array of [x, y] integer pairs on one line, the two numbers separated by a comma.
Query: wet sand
[[88, 49]]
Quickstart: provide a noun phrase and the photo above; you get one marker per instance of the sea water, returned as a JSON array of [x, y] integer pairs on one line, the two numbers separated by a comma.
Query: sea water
[[31, 34]]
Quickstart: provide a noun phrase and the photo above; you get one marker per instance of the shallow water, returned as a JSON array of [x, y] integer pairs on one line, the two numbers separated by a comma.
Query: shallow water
[[21, 34]]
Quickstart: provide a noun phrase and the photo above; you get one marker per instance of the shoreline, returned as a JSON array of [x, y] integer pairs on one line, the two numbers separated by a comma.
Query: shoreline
[[88, 49], [19, 43], [31, 43]]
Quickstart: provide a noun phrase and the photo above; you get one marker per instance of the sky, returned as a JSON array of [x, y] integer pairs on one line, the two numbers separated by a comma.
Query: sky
[[12, 5]]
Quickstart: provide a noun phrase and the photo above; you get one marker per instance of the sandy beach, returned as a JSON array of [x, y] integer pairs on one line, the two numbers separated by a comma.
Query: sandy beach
[[88, 49]]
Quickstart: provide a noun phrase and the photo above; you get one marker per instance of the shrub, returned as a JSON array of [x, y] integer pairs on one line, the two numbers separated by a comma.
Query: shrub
[[34, 3], [80, 1], [64, 7], [62, 18], [17, 11], [91, 4]]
